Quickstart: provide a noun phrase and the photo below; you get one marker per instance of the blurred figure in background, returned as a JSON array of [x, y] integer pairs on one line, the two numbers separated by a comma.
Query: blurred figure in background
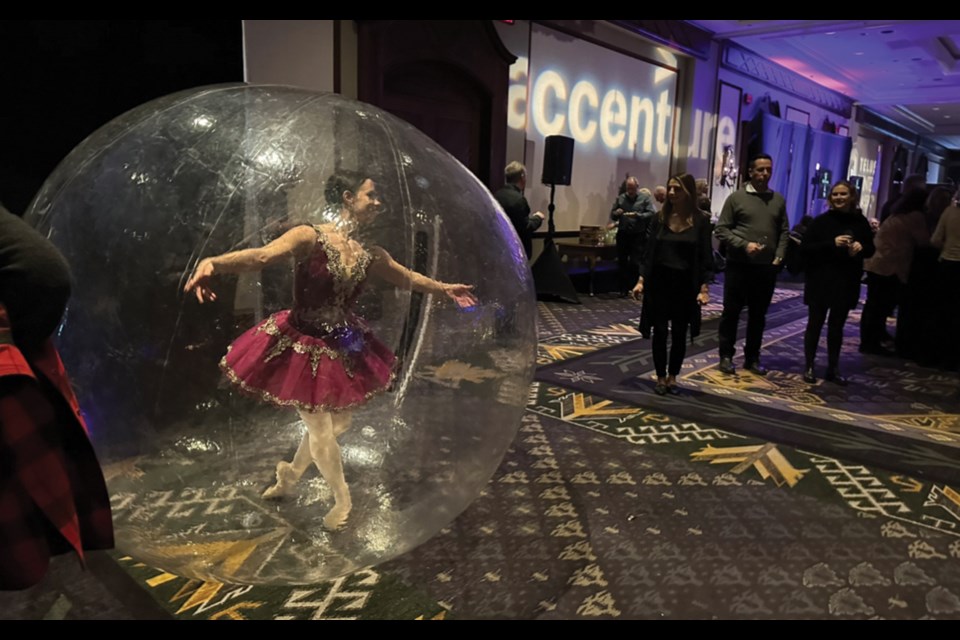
[[660, 196], [515, 205], [946, 237], [924, 291], [632, 211], [911, 183], [888, 272]]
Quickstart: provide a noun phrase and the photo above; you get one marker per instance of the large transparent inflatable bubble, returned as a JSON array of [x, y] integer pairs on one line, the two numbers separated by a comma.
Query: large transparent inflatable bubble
[[191, 440]]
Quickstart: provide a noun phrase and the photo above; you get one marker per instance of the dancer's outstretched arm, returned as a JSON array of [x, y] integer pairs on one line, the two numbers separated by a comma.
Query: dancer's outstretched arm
[[386, 268], [296, 242]]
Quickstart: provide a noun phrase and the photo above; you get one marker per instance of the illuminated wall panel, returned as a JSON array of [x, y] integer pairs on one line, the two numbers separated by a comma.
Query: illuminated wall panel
[[619, 109]]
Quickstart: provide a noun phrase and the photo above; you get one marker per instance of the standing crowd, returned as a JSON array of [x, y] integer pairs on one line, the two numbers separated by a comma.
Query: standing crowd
[[909, 258]]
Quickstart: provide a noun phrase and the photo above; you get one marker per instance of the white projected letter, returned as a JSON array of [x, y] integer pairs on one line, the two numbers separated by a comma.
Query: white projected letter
[[726, 133], [663, 114], [638, 106], [517, 95], [854, 162], [694, 149], [613, 113], [583, 90], [548, 80], [709, 123]]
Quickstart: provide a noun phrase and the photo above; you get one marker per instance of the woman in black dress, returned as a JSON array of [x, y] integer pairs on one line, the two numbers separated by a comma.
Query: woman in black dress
[[676, 265], [834, 247]]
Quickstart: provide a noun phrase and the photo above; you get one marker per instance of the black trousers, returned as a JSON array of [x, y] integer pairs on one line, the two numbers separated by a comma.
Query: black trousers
[[949, 330], [920, 300], [751, 286], [883, 295], [628, 260], [673, 298], [811, 337]]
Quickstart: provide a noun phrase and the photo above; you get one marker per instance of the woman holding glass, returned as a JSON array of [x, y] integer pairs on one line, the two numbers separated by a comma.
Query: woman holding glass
[[834, 247]]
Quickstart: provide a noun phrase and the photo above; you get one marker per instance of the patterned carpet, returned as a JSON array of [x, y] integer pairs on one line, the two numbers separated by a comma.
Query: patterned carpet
[[615, 503], [893, 413], [609, 511]]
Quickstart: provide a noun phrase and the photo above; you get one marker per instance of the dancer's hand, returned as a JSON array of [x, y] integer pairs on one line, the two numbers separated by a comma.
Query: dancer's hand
[[637, 292], [703, 298], [855, 248], [200, 280], [462, 294]]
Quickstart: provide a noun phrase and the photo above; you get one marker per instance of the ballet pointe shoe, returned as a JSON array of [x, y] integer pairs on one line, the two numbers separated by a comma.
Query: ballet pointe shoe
[[286, 481], [337, 516]]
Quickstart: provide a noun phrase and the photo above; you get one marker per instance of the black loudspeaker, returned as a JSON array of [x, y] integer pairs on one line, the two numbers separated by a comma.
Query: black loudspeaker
[[557, 160]]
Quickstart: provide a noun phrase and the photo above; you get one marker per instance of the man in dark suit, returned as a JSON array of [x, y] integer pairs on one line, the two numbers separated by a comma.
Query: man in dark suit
[[510, 197], [633, 211]]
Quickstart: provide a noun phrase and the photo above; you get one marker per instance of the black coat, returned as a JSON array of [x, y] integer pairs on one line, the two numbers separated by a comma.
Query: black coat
[[700, 274], [518, 210], [832, 274], [639, 224]]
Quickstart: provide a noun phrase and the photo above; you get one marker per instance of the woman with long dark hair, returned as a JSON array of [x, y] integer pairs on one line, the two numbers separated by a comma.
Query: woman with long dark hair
[[834, 247], [676, 265]]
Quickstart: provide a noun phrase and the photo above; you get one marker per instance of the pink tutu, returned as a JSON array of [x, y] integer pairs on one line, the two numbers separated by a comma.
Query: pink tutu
[[282, 365]]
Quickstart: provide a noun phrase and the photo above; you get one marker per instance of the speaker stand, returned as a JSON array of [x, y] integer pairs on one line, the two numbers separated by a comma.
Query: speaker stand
[[549, 273]]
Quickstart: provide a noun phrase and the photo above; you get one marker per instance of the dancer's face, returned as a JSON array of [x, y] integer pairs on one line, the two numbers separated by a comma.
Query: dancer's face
[[365, 204]]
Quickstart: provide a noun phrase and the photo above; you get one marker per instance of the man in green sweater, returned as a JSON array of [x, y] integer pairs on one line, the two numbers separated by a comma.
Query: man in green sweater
[[754, 227]]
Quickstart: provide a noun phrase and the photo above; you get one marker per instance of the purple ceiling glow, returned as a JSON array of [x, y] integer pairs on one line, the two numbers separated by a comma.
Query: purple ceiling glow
[[807, 71], [898, 68]]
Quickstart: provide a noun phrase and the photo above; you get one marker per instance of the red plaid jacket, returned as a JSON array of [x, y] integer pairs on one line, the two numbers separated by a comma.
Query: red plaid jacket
[[52, 494]]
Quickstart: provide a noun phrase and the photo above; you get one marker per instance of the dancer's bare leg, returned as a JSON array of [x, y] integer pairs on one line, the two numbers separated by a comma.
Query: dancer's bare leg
[[301, 459], [288, 473], [341, 422], [325, 452]]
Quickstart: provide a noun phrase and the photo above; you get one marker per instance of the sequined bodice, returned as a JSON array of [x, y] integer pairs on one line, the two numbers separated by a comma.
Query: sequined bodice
[[326, 287]]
